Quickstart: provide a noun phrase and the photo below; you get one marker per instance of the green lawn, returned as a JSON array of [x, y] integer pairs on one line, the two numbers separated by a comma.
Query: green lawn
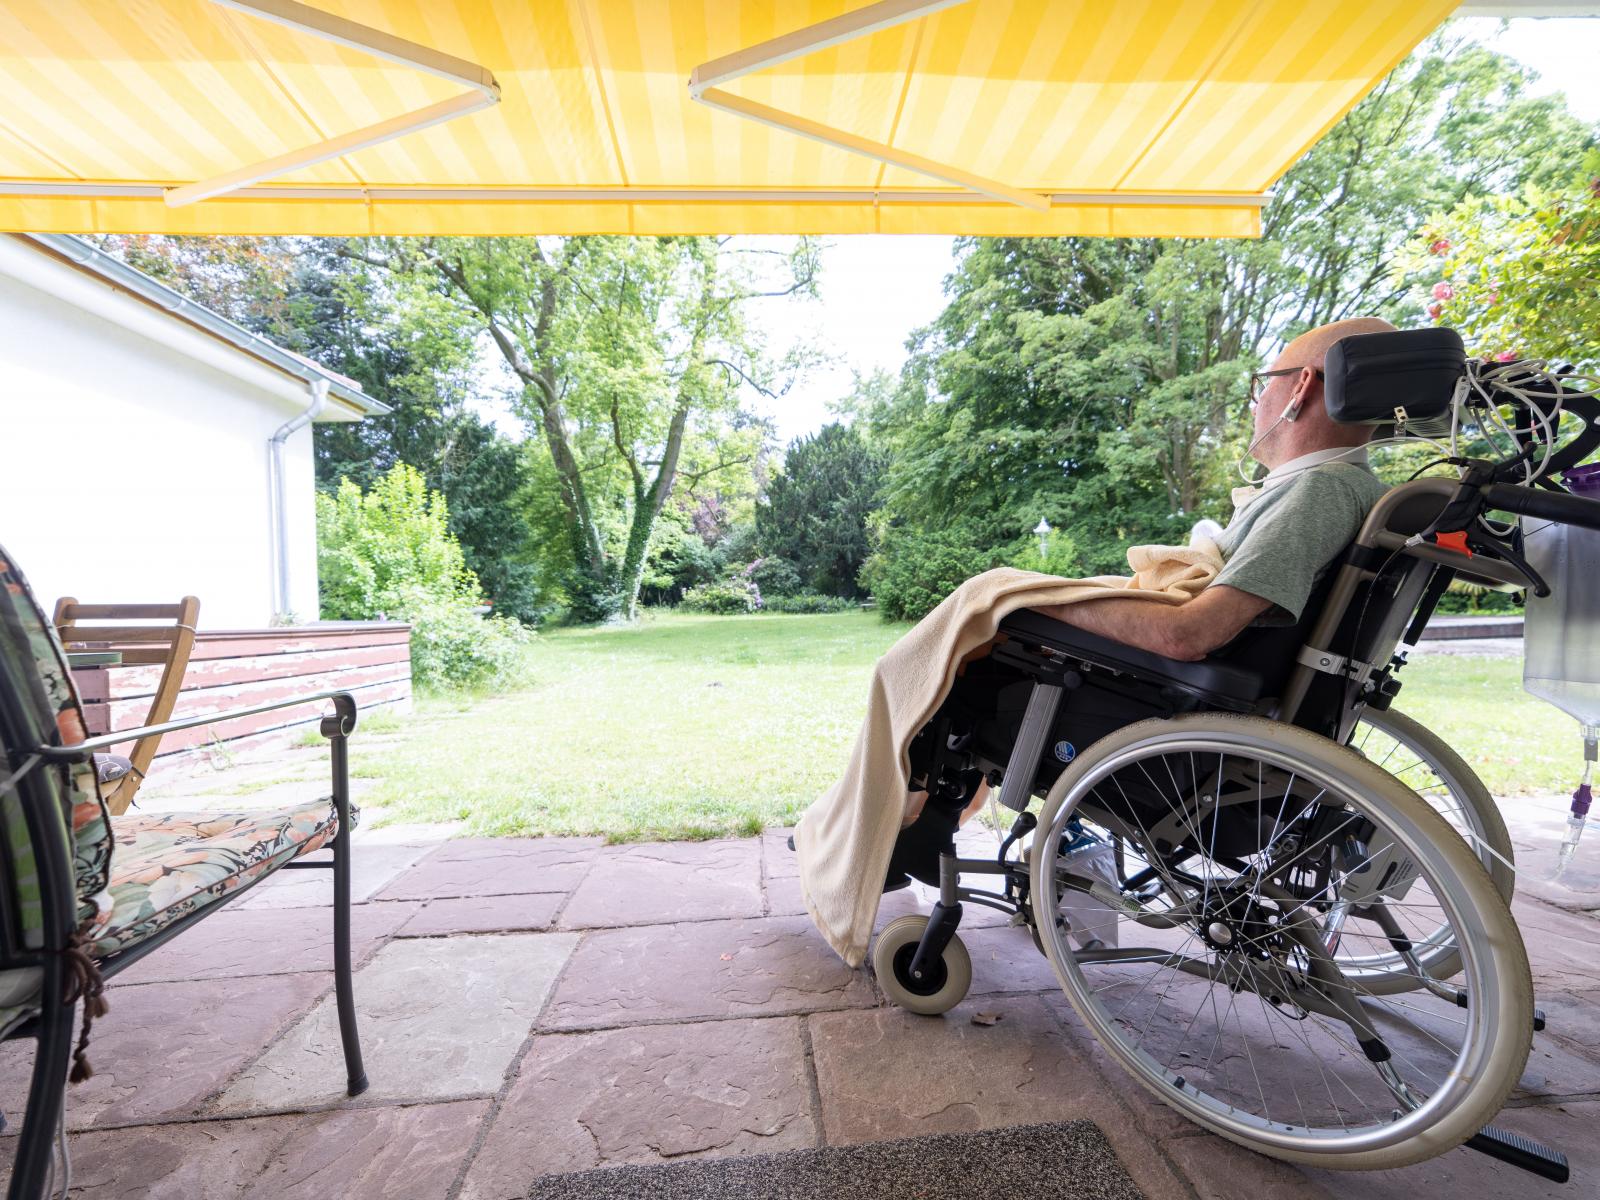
[[686, 727]]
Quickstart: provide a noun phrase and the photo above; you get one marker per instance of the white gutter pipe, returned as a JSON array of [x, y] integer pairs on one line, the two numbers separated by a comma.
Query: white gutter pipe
[[280, 492]]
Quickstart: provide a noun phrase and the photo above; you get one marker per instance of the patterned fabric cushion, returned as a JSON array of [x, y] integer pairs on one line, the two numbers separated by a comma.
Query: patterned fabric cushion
[[168, 865], [33, 665]]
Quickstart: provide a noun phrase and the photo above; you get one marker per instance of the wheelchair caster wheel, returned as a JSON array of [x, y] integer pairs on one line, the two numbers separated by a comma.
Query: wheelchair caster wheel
[[946, 979]]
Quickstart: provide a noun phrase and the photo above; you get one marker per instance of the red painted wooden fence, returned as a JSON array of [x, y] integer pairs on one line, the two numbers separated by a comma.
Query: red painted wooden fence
[[235, 668]]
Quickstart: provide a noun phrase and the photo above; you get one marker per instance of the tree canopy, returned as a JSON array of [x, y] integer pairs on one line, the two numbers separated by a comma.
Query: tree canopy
[[1100, 384]]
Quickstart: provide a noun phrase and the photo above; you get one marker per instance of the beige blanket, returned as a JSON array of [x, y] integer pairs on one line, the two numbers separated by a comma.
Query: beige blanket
[[846, 838]]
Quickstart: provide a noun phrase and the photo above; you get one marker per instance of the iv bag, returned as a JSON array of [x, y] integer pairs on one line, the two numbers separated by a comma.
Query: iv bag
[[1561, 632]]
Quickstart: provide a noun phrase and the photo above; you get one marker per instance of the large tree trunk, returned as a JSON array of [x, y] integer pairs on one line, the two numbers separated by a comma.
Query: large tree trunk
[[650, 499]]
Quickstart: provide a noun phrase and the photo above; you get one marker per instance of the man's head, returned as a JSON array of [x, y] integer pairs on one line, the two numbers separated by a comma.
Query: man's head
[[1290, 417]]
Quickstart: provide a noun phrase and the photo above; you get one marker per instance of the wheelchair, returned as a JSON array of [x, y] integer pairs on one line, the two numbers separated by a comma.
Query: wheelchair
[[1277, 902]]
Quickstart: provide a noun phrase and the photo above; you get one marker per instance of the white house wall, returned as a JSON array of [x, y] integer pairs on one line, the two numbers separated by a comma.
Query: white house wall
[[133, 453]]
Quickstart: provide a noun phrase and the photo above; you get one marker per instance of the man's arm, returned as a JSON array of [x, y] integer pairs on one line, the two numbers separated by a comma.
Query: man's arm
[[1184, 631]]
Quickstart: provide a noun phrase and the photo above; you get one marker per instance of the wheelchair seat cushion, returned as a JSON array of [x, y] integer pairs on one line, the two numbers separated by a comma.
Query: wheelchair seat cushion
[[1223, 684], [169, 865]]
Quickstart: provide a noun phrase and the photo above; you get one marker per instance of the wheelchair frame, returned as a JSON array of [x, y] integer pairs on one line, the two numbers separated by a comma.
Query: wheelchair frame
[[1363, 674]]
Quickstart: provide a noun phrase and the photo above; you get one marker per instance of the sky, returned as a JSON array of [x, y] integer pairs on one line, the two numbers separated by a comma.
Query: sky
[[875, 290]]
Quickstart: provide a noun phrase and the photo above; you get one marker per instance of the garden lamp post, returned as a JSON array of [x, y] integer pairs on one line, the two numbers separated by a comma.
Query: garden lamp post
[[1043, 530]]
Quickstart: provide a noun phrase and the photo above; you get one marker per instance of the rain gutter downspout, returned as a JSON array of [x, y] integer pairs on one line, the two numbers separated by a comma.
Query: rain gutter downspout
[[280, 493]]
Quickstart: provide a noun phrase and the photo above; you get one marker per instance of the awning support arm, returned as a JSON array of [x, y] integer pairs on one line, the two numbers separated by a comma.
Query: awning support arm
[[483, 92], [885, 14]]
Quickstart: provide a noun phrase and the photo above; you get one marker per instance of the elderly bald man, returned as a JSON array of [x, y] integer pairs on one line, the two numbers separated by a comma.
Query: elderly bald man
[[1283, 535], [1317, 491]]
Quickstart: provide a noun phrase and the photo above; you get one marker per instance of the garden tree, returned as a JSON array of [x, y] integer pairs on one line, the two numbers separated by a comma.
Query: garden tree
[[815, 511], [249, 280], [1519, 275], [1099, 384], [311, 299], [388, 551], [402, 350], [628, 357]]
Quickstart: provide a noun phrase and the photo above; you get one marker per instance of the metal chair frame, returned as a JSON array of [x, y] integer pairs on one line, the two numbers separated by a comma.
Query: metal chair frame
[[52, 1027]]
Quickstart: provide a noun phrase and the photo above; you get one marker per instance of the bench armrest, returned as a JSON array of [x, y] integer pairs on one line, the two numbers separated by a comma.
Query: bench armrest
[[344, 709]]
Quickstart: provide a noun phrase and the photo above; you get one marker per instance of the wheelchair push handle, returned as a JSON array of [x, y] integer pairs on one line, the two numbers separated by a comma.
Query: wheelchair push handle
[[1549, 506]]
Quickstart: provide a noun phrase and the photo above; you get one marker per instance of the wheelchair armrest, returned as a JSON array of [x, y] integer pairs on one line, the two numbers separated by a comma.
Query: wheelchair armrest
[[1220, 684]]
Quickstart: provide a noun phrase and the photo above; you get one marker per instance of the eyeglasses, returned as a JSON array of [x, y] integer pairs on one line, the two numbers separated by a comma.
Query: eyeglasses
[[1258, 381]]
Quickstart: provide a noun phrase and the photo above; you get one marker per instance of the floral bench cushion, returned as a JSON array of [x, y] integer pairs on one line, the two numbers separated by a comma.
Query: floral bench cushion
[[168, 865]]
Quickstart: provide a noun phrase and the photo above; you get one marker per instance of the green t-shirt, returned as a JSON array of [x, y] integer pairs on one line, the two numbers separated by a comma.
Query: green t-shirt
[[1278, 545]]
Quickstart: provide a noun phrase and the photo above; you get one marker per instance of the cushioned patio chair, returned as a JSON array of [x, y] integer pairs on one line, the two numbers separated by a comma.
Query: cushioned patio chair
[[84, 895]]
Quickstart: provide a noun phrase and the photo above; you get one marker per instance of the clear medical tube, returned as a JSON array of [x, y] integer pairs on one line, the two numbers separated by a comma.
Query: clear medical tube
[[1579, 814]]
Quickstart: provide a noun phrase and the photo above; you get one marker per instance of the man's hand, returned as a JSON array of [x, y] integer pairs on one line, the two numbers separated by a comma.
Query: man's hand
[[1184, 631]]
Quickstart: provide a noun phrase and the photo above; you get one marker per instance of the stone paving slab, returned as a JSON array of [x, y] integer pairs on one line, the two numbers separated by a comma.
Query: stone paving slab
[[669, 882], [372, 866], [1466, 1175], [479, 914], [656, 1041], [165, 1047], [439, 1018], [1561, 946], [397, 1153], [778, 861], [742, 968], [213, 1160], [496, 867], [645, 1095], [1219, 1170], [1004, 959], [885, 1073], [266, 941], [658, 882], [393, 1153]]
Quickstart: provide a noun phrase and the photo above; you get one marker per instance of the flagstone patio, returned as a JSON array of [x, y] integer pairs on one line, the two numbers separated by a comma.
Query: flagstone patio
[[548, 1006]]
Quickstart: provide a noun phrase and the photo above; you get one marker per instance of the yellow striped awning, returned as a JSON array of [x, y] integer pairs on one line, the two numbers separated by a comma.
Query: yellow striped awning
[[352, 117]]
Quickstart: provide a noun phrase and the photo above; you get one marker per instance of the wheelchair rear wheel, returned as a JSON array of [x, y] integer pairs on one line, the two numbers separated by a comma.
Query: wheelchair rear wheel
[[1220, 988], [1421, 760]]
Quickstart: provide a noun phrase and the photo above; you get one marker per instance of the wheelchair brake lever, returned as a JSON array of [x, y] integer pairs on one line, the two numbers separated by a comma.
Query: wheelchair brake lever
[[1513, 556]]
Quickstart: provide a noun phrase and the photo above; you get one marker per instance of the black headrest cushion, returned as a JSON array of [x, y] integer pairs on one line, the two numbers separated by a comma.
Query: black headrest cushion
[[1368, 375]]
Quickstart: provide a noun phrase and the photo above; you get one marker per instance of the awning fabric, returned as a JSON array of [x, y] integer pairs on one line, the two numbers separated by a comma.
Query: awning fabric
[[1108, 117]]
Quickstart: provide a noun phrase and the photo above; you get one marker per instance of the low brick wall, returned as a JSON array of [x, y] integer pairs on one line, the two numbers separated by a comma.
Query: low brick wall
[[235, 668]]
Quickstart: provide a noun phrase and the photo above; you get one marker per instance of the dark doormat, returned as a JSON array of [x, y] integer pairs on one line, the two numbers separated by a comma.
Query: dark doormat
[[1069, 1160]]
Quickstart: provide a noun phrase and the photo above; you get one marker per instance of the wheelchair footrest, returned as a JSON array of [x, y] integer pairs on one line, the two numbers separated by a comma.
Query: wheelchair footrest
[[1520, 1151]]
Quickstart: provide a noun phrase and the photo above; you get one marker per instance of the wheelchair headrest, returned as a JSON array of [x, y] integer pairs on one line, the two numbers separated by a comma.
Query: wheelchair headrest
[[1368, 375]]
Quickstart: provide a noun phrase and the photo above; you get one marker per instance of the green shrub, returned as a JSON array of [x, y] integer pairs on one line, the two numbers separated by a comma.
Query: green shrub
[[1064, 558], [389, 553], [775, 576], [912, 571], [454, 647], [726, 597], [1464, 598], [807, 602]]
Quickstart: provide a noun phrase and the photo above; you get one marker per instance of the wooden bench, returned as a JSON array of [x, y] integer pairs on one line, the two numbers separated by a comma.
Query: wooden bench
[[167, 645]]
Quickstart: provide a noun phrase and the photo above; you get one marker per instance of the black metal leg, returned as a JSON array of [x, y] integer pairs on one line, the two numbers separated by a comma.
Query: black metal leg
[[46, 1094], [343, 985]]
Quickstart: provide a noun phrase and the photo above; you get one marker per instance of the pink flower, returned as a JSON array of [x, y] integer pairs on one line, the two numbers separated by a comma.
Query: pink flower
[[1439, 246], [1506, 356], [1443, 291], [1434, 310], [1494, 297]]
